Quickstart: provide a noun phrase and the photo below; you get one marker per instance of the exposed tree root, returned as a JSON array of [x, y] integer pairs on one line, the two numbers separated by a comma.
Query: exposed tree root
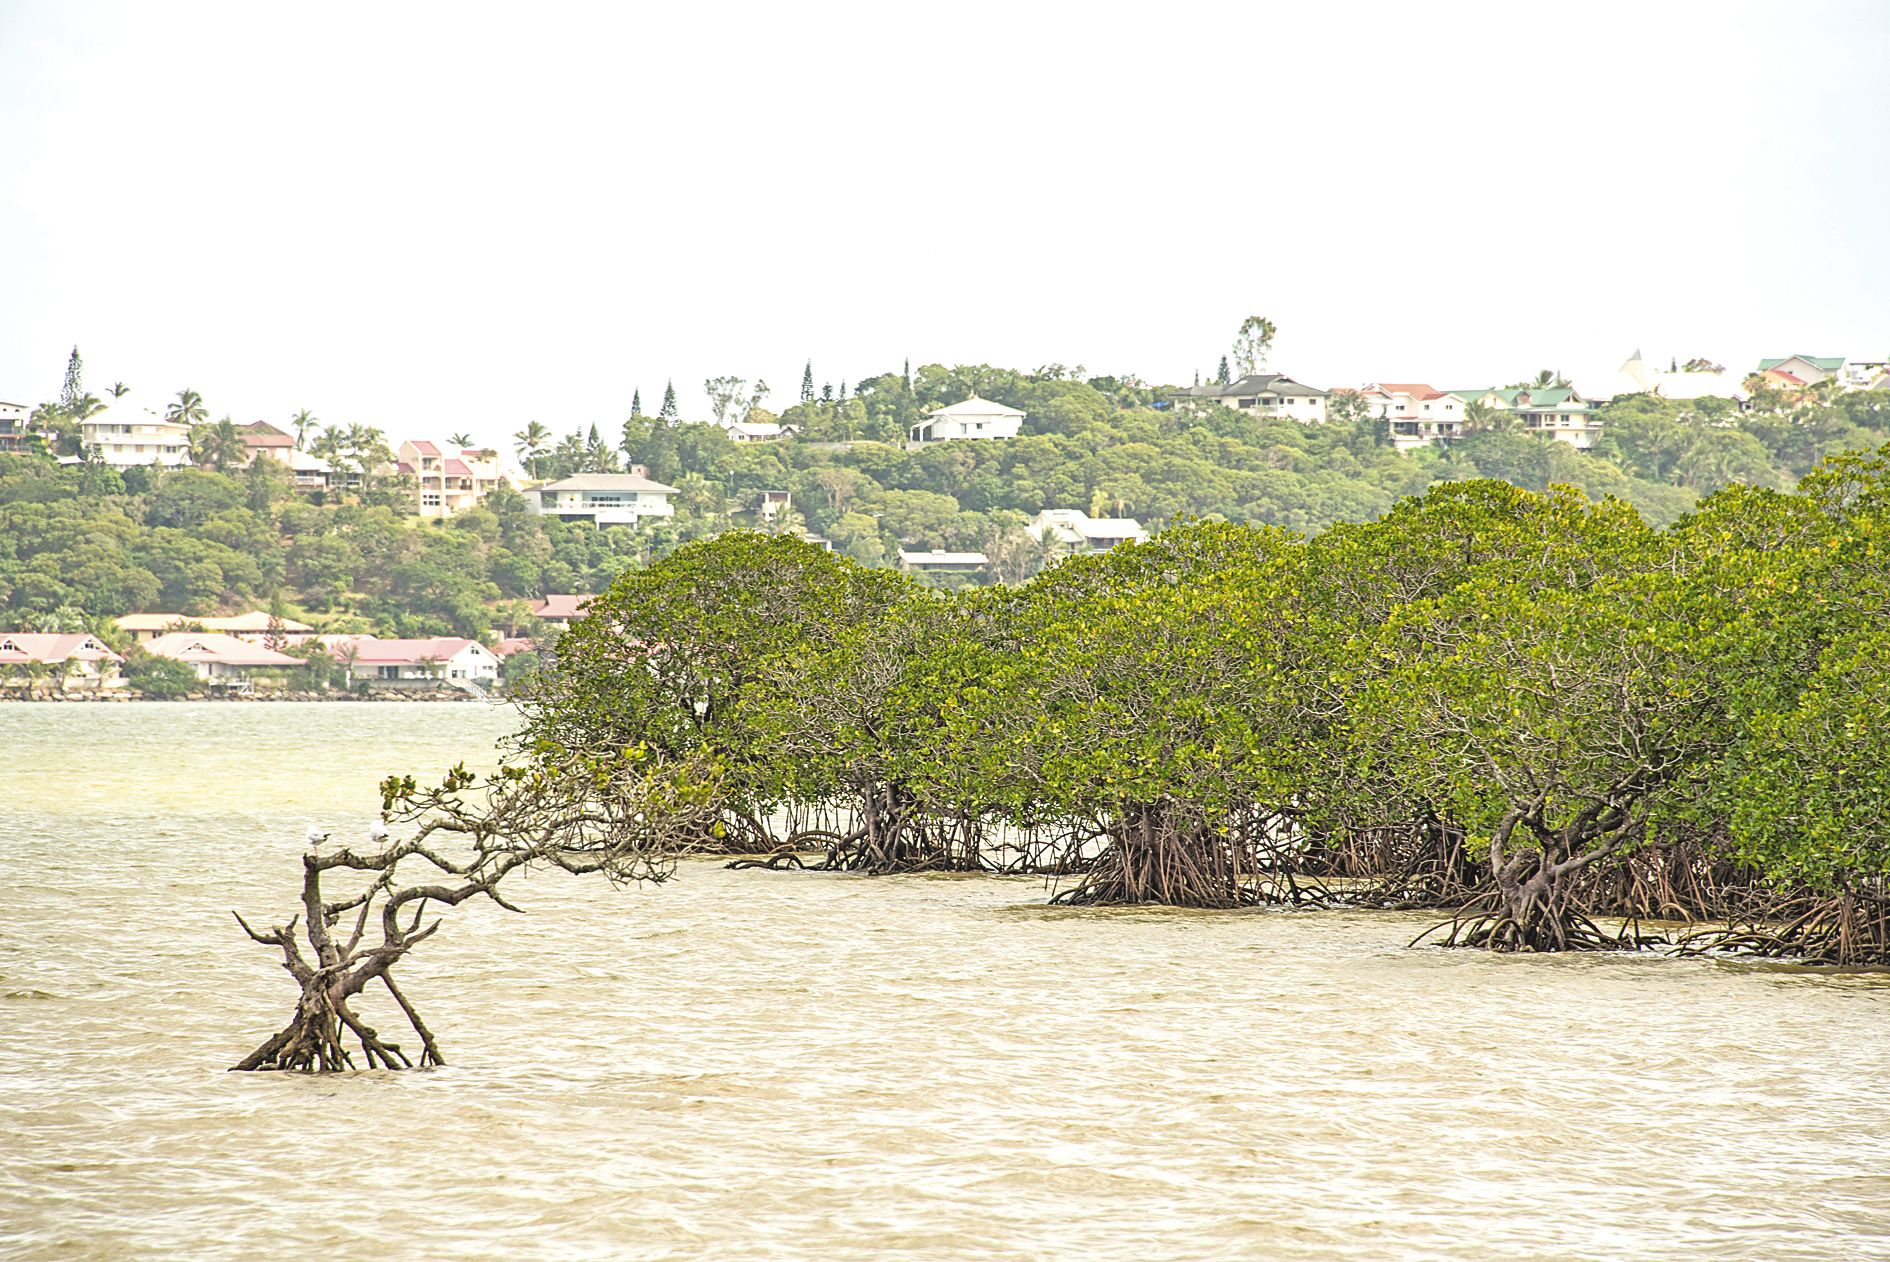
[[1152, 856], [1850, 930]]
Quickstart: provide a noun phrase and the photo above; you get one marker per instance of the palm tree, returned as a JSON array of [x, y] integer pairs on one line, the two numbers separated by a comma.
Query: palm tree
[[303, 421], [461, 440], [1482, 418], [120, 389], [188, 410], [219, 446], [532, 441], [88, 406]]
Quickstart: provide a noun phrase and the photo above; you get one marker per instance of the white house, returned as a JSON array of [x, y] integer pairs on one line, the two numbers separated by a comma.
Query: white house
[[1071, 530], [125, 435], [937, 562], [82, 657], [416, 664], [757, 431], [223, 661], [608, 499], [974, 418], [1267, 393], [1417, 415]]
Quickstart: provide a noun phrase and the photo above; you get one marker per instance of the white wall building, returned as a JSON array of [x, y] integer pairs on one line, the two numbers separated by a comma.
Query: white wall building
[[974, 418], [1417, 415], [1071, 530], [609, 499], [940, 562], [441, 661], [125, 435]]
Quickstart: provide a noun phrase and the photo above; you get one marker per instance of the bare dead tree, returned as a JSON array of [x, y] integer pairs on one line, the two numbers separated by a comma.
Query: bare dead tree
[[619, 817]]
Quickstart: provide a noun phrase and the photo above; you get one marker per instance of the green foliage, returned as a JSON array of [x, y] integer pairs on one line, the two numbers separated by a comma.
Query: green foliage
[[160, 678]]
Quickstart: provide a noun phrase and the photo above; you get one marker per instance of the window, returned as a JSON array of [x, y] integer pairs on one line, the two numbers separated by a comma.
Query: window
[[387, 672]]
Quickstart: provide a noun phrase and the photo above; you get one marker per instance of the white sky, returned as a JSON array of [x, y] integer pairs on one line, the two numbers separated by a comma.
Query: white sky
[[429, 218]]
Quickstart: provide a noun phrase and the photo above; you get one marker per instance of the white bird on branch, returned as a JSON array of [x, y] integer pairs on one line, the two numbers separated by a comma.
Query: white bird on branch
[[315, 837], [378, 834]]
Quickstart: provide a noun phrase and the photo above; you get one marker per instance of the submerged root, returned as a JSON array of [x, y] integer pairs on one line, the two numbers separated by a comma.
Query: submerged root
[[1847, 930], [1492, 922]]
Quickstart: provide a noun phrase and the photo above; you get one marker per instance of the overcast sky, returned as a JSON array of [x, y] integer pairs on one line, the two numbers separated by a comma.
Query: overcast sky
[[430, 218]]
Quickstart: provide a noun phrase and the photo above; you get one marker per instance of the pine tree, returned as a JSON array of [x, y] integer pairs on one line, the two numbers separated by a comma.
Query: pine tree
[[906, 377], [843, 392], [668, 410], [826, 393], [807, 383], [1225, 378], [1197, 377], [74, 389], [636, 403]]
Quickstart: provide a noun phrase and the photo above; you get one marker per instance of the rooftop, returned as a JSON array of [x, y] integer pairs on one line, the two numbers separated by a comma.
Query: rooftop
[[368, 650], [974, 406], [18, 647], [213, 646], [607, 482]]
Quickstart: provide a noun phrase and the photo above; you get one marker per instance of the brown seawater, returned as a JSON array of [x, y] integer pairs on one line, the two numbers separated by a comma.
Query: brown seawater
[[779, 1065]]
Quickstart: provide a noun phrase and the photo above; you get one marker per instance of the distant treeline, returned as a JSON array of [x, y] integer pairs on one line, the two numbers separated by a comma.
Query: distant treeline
[[80, 544]]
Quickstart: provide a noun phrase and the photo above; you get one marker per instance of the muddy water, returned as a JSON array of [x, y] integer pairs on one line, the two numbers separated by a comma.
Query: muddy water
[[750, 1065]]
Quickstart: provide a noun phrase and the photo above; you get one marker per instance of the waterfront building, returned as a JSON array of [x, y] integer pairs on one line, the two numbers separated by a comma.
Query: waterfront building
[[27, 654], [414, 664], [222, 661]]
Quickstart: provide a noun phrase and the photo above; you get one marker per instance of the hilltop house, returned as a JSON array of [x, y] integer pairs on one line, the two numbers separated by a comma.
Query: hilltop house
[[255, 626], [16, 432], [1556, 412], [1415, 415], [446, 483], [974, 418], [1268, 393], [608, 499], [125, 436], [1806, 370], [223, 661], [263, 440], [416, 664], [757, 431], [1071, 530], [26, 654]]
